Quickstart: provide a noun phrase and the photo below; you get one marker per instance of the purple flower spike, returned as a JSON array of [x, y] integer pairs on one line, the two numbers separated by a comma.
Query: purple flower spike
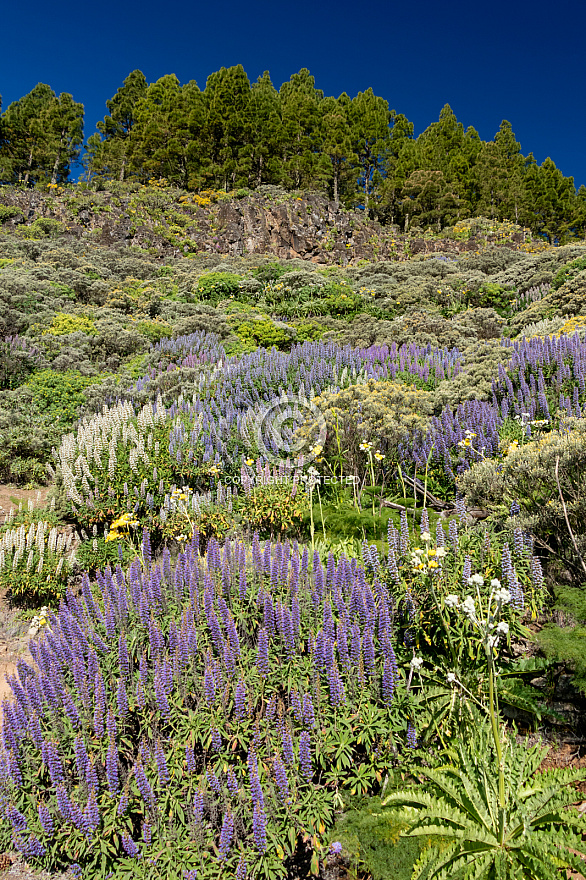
[[147, 834], [231, 781], [305, 756], [161, 764], [226, 835], [46, 820], [209, 687], [262, 659], [411, 736], [112, 769], [130, 847], [198, 805], [282, 781], [259, 827], [308, 712], [92, 814], [144, 785], [240, 705], [216, 740]]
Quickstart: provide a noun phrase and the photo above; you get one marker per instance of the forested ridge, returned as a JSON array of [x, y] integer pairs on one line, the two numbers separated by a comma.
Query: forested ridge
[[234, 135]]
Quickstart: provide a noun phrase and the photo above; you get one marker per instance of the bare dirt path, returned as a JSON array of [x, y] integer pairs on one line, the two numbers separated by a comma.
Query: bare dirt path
[[10, 496]]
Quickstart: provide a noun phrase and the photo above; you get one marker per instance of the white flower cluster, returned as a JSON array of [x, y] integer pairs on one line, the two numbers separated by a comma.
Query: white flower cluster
[[82, 456], [18, 542], [39, 621], [469, 608]]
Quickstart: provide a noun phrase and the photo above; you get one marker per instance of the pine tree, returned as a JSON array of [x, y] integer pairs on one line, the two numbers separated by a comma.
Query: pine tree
[[400, 162], [107, 151], [445, 146], [300, 112], [370, 118], [63, 123], [160, 144], [431, 200], [24, 151], [227, 96], [500, 175], [337, 144], [260, 156], [552, 209]]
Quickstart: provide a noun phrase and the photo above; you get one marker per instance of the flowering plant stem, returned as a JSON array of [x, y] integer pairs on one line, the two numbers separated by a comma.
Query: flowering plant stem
[[312, 524], [426, 476], [492, 704], [444, 624], [371, 463], [321, 512]]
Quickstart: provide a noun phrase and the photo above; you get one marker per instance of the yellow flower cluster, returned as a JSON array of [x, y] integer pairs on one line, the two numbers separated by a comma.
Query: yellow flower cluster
[[467, 442], [120, 525], [425, 559], [511, 447], [573, 325]]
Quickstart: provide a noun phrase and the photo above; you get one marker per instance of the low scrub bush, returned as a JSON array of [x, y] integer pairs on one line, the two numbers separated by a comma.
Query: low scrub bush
[[529, 475]]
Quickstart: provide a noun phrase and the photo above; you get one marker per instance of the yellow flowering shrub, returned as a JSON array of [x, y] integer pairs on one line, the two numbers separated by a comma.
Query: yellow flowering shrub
[[64, 323], [380, 412]]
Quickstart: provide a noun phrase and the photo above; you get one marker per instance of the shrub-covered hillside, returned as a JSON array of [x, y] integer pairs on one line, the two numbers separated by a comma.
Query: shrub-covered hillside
[[309, 521]]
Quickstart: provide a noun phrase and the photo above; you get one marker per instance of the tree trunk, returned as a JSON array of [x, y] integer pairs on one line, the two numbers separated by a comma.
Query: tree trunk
[[336, 187], [121, 175], [30, 165], [366, 178], [57, 158], [259, 181]]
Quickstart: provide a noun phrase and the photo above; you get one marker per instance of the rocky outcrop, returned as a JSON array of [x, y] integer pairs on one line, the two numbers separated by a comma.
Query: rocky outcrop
[[285, 225]]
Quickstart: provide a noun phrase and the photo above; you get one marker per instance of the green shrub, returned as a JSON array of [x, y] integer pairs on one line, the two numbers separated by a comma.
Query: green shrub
[[215, 286], [64, 323], [273, 509], [263, 333], [491, 296], [308, 330], [42, 227], [475, 380], [59, 396], [569, 271], [7, 212], [380, 412], [269, 272], [154, 330]]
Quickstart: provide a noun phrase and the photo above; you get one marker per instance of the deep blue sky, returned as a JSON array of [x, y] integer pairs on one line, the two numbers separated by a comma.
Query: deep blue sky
[[499, 60]]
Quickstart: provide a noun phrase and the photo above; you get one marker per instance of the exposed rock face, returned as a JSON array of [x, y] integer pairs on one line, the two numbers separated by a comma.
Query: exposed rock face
[[286, 226]]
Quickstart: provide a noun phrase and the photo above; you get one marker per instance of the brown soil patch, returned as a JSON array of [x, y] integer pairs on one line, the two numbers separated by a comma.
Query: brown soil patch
[[10, 496]]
